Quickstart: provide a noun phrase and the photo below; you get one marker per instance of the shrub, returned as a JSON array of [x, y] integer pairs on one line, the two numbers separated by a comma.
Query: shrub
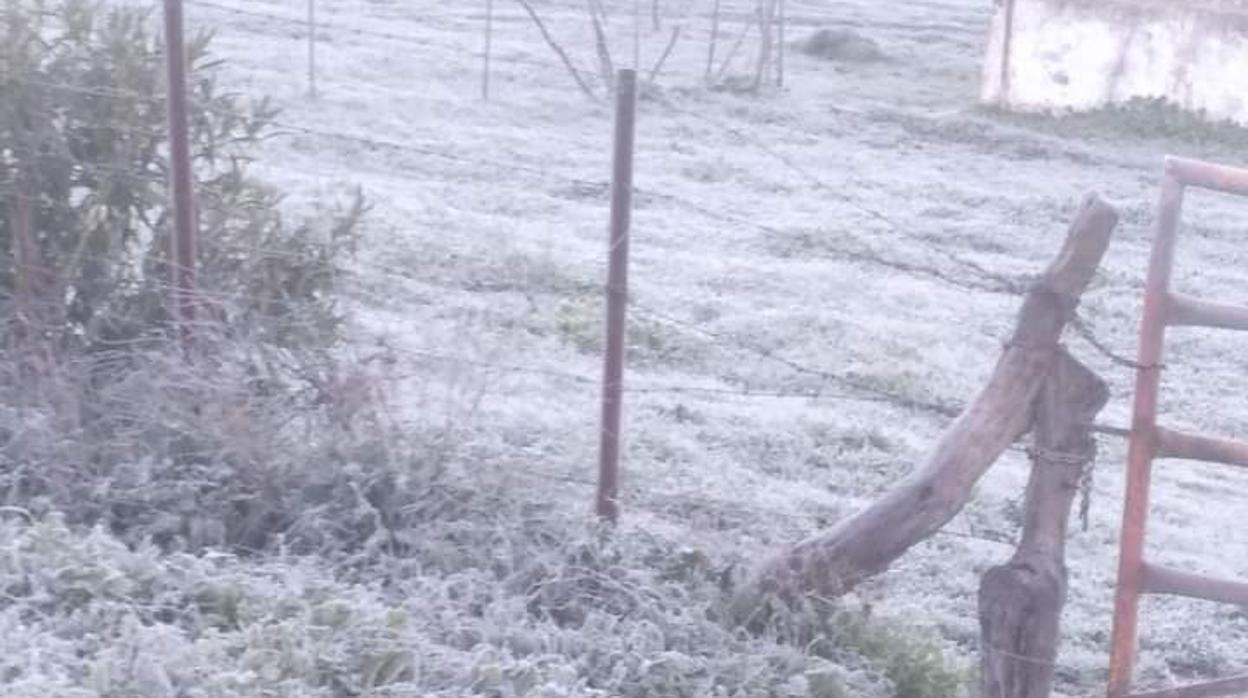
[[101, 414]]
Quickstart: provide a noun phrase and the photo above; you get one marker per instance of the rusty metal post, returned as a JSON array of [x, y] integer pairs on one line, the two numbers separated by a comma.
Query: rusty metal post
[[180, 169], [1143, 439], [617, 296]]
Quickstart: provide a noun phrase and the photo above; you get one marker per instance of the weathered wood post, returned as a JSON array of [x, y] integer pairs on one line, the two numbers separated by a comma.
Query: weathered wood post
[[1020, 602], [830, 563]]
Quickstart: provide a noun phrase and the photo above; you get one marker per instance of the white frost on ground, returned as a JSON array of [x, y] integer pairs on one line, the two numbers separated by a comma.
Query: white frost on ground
[[487, 243]]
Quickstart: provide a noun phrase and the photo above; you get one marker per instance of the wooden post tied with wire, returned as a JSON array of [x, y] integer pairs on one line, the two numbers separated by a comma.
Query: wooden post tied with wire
[[1164, 308], [617, 296]]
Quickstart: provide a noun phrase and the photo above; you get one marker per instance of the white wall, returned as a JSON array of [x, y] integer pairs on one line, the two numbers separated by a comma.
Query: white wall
[[1084, 54]]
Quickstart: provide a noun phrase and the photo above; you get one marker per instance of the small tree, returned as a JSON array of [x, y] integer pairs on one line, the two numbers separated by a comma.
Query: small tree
[[101, 415], [84, 210]]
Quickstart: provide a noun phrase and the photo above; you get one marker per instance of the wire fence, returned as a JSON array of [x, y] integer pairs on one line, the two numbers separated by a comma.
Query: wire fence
[[821, 384], [965, 273], [829, 385]]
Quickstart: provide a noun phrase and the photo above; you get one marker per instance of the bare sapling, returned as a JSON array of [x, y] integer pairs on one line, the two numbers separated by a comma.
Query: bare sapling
[[554, 46]]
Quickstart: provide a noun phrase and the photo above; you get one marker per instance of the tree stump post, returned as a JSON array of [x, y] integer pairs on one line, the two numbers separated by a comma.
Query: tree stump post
[[830, 563], [1020, 602]]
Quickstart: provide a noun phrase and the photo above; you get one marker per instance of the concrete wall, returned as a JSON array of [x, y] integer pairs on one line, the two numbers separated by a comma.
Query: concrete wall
[[1054, 55]]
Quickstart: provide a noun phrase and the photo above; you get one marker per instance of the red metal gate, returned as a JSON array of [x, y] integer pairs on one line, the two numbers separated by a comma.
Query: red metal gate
[[1164, 308]]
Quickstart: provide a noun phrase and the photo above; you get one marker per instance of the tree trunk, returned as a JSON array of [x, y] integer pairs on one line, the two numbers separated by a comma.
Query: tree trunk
[[1020, 603], [830, 563]]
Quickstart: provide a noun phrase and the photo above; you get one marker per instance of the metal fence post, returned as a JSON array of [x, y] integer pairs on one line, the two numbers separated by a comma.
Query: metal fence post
[[617, 296], [181, 175]]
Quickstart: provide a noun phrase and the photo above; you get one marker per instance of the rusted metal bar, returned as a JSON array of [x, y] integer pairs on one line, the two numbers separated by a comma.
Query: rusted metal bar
[[1208, 175], [180, 170], [1223, 687], [1177, 444], [1193, 312], [1143, 438], [1163, 580], [617, 296]]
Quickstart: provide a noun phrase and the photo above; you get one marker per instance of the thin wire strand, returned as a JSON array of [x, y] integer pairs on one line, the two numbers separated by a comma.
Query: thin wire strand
[[302, 24]]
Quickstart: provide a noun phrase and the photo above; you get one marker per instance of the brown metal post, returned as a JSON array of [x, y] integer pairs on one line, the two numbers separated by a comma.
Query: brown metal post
[[1143, 439], [617, 296], [181, 175]]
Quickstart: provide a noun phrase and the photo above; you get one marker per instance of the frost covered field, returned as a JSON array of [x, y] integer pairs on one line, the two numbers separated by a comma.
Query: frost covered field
[[842, 223]]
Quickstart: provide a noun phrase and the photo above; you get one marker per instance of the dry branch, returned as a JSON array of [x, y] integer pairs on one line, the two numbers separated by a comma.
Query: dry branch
[[658, 65], [486, 54], [766, 15], [829, 564], [554, 46], [732, 53], [780, 47], [710, 50], [1020, 602], [597, 17]]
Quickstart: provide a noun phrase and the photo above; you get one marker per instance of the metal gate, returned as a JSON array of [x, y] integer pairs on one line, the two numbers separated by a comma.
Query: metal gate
[[1164, 308]]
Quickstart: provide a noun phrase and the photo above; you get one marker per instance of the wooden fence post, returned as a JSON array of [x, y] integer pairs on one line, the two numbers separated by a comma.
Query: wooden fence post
[[617, 296], [867, 542], [1020, 602]]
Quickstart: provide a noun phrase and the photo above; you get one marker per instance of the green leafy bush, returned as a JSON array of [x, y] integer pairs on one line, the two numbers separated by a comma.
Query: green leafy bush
[[102, 415], [85, 215]]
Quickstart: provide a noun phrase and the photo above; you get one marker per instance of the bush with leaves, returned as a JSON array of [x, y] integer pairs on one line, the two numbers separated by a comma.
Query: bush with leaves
[[85, 215], [102, 415]]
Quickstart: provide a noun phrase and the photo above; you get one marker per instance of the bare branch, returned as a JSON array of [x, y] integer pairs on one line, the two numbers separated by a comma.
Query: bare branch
[[554, 46], [671, 44]]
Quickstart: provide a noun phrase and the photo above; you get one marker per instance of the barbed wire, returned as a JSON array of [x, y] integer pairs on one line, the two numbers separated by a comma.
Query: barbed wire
[[1085, 331], [156, 98], [989, 281], [322, 26], [854, 383], [643, 388], [992, 281]]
